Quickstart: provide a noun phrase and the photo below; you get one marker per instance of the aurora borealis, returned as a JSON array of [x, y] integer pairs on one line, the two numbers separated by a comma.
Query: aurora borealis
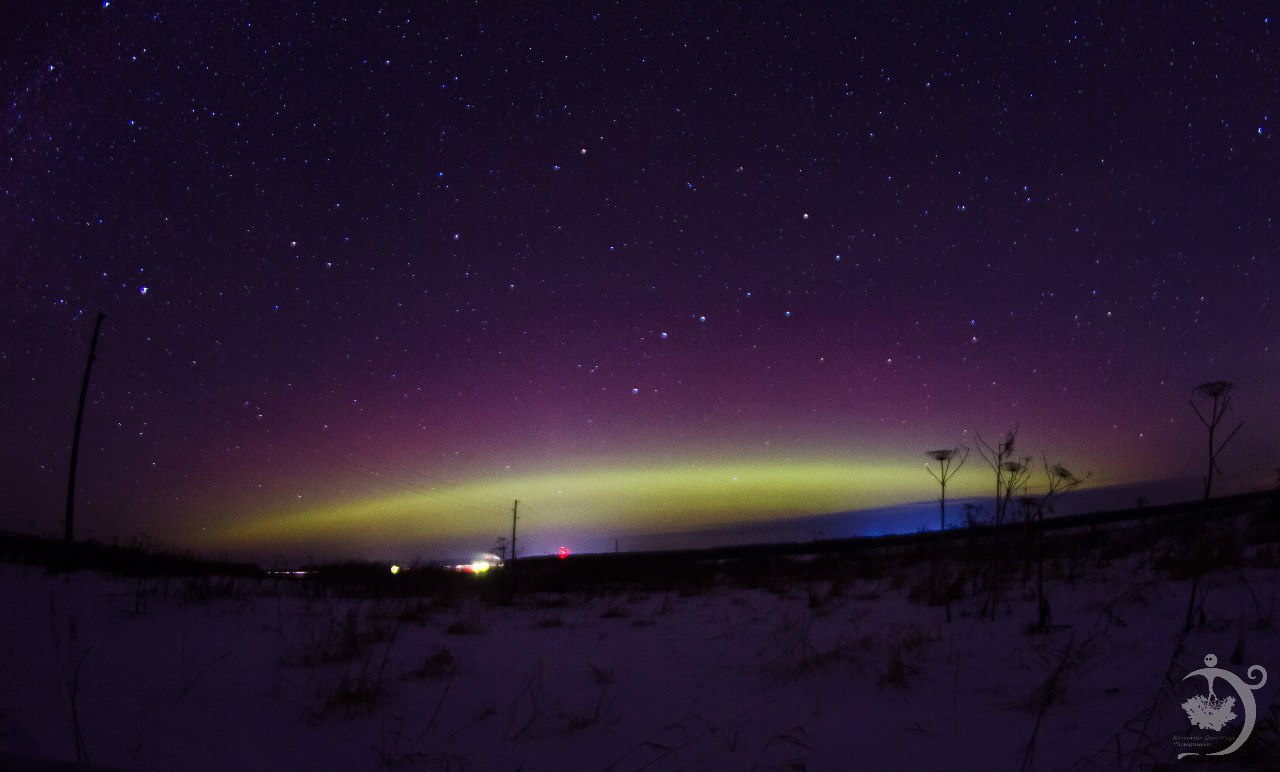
[[571, 503], [371, 274]]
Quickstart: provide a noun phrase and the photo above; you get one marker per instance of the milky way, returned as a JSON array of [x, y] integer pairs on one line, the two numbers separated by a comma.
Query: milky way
[[369, 277]]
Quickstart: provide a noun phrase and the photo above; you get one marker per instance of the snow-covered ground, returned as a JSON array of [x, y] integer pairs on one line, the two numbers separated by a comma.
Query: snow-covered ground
[[141, 674]]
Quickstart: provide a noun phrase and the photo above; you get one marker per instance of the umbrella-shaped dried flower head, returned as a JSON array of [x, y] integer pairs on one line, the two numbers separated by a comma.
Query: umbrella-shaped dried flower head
[[1215, 388]]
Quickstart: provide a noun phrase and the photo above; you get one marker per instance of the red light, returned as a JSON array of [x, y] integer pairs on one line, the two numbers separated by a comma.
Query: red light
[[564, 552]]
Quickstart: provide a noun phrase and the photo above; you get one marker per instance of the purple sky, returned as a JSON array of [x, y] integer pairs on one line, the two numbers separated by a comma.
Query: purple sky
[[352, 257]]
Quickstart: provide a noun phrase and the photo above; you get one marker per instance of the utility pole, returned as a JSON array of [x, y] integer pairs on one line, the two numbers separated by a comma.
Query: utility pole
[[507, 581], [514, 509], [75, 438]]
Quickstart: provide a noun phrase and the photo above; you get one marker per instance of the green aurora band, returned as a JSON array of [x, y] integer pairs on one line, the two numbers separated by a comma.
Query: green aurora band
[[629, 499]]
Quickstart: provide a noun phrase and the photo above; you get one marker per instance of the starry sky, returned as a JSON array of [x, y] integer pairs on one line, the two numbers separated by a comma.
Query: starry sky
[[373, 271]]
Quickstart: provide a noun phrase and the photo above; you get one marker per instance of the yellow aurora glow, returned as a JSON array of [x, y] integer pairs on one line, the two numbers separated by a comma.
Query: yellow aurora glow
[[635, 498]]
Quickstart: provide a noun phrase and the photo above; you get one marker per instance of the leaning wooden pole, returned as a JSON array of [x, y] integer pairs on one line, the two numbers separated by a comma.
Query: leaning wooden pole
[[68, 535]]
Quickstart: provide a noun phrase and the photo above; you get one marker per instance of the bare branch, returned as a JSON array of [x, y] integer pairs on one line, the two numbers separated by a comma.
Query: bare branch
[[1228, 439], [983, 444], [1197, 409]]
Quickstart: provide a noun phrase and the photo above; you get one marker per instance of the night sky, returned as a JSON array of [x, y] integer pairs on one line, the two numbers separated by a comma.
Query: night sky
[[371, 272]]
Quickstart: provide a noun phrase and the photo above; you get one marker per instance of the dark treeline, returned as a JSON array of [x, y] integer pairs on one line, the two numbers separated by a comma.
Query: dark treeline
[[692, 569]]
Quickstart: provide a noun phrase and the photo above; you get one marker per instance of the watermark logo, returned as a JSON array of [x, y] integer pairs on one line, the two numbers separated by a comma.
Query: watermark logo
[[1212, 712]]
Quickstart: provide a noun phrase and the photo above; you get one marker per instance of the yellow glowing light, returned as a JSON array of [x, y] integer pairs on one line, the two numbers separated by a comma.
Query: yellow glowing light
[[634, 498], [479, 567], [395, 569]]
